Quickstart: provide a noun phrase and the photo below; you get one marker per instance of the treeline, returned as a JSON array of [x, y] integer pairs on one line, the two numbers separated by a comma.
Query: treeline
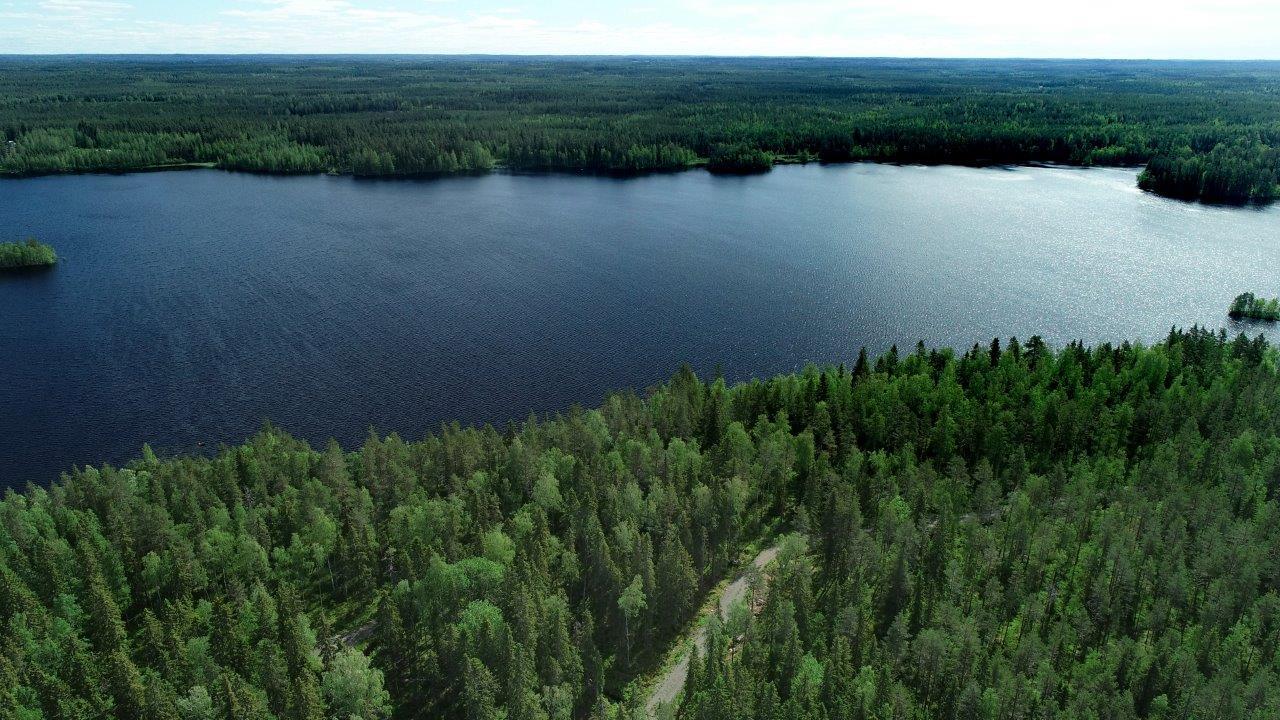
[[1237, 172], [739, 158], [31, 253], [1251, 307], [1014, 532], [1205, 130]]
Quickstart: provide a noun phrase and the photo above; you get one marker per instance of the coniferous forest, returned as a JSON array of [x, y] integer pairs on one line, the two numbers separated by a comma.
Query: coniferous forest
[[1204, 130], [1011, 532]]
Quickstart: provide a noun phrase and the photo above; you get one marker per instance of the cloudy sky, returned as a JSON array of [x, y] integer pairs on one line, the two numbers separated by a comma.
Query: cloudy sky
[[937, 28]]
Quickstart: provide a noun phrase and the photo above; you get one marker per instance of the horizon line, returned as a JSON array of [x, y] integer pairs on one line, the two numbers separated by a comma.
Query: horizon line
[[623, 56]]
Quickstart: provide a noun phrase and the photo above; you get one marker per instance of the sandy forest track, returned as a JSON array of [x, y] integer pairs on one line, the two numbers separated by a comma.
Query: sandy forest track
[[672, 682]]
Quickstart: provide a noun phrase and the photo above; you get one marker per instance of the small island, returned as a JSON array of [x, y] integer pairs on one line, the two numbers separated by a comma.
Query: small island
[[1248, 306], [30, 254]]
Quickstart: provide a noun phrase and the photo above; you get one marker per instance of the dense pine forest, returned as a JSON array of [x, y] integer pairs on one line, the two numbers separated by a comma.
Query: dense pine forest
[[1011, 532], [1205, 130]]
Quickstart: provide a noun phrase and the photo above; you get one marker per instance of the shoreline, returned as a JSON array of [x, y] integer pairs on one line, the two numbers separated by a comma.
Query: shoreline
[[504, 169], [701, 164]]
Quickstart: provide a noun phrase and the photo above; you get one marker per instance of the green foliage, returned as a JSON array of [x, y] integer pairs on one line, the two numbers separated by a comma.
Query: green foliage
[[354, 689], [739, 158], [632, 603], [1205, 130], [1011, 532], [31, 253], [1121, 566], [1249, 306], [632, 599], [1230, 172]]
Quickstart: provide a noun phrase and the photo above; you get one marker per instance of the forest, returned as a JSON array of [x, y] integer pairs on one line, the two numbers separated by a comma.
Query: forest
[[1203, 130], [1009, 532], [31, 253]]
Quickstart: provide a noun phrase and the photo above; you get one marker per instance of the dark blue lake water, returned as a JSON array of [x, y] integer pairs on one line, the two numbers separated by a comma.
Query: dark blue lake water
[[189, 307]]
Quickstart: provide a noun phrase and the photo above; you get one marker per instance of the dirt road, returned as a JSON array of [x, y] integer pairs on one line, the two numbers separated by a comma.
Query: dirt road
[[673, 682]]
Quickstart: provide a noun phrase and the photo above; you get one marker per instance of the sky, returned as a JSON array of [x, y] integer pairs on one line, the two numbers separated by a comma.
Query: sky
[[1199, 29]]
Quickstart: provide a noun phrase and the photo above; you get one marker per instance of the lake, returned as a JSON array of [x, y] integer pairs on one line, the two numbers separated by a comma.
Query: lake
[[191, 306]]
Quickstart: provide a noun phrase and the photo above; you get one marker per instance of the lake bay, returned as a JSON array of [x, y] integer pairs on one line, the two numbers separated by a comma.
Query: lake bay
[[190, 307]]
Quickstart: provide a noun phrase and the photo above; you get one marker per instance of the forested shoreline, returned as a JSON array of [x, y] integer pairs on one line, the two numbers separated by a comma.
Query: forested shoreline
[[1011, 532], [1204, 130]]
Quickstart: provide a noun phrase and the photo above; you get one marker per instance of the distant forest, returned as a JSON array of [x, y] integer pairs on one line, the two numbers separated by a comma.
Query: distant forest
[[1010, 532], [1208, 131]]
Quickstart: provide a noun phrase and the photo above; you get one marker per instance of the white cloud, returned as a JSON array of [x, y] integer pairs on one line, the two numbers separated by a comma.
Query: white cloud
[[85, 8], [1083, 28]]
